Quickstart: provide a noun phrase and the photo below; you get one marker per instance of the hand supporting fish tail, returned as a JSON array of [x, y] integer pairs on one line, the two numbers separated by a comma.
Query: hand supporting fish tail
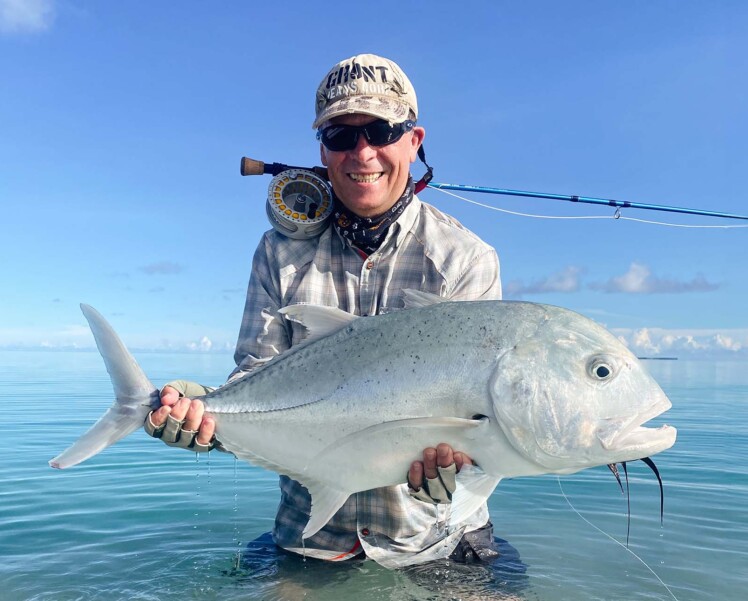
[[173, 434], [179, 422]]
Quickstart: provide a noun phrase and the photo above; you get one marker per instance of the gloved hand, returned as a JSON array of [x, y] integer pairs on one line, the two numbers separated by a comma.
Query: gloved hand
[[186, 410], [439, 489], [433, 480]]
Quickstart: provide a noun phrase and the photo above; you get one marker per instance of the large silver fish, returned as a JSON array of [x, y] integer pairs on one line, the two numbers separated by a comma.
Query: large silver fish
[[522, 388]]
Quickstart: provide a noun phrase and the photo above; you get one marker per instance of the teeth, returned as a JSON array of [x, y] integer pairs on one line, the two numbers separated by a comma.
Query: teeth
[[367, 178]]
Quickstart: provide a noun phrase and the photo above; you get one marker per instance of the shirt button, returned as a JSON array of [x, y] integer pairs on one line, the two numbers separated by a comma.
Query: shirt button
[[365, 532], [370, 265]]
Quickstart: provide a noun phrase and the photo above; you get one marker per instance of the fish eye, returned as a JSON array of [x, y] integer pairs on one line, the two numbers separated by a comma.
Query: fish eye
[[601, 369]]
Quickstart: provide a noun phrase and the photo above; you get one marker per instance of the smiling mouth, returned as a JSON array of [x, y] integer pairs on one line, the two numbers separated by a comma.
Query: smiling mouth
[[365, 178]]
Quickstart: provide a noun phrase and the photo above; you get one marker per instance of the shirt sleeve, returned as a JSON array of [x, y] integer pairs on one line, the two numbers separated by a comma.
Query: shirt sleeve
[[263, 334], [481, 280]]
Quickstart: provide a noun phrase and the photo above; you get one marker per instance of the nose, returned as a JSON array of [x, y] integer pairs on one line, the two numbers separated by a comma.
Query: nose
[[363, 150]]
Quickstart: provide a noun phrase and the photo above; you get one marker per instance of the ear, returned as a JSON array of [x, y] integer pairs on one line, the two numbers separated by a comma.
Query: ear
[[416, 139], [323, 154]]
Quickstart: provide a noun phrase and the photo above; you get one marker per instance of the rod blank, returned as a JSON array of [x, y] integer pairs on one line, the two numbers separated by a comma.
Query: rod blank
[[586, 199]]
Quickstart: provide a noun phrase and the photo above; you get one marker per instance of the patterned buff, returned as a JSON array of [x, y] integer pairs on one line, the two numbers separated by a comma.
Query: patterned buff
[[367, 233]]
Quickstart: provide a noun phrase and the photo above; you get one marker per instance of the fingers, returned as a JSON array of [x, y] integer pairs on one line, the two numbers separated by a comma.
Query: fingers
[[179, 421], [462, 459], [172, 405], [442, 456], [169, 395], [429, 463], [169, 398], [433, 480], [207, 429], [193, 416], [415, 475]]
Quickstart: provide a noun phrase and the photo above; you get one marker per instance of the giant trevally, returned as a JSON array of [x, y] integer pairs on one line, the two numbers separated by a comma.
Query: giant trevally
[[522, 388]]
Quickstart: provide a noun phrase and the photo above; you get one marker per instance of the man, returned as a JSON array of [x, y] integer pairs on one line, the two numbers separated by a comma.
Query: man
[[381, 241]]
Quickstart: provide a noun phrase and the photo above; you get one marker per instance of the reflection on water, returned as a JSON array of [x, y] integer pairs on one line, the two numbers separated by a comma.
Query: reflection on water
[[141, 521], [280, 575]]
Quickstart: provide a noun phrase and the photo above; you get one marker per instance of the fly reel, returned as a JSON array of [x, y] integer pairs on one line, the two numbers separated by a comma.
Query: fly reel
[[299, 203]]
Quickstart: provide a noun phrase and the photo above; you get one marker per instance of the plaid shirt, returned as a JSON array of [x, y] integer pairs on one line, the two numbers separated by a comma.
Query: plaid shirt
[[425, 250]]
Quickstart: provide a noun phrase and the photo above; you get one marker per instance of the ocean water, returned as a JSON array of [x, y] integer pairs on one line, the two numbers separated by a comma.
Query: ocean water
[[141, 521]]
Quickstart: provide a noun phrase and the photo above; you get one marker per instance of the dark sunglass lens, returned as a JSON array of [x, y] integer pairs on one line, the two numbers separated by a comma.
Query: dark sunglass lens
[[381, 133], [340, 137]]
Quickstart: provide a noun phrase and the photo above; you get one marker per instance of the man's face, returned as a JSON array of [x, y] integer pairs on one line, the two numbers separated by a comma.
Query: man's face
[[369, 179]]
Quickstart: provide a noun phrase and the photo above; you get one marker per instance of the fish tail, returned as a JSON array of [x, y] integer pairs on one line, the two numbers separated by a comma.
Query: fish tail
[[135, 396]]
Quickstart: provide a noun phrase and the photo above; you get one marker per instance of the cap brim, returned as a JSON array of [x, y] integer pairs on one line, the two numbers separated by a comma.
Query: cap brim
[[383, 108]]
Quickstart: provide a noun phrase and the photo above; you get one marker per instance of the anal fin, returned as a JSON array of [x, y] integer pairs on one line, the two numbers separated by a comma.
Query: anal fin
[[325, 503]]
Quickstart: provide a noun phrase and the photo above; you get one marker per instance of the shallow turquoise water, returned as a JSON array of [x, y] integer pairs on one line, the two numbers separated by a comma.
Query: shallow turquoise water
[[144, 522]]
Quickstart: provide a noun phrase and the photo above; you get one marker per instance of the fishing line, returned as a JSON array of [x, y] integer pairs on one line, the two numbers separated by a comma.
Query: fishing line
[[644, 563], [238, 556], [299, 206], [197, 490], [617, 215]]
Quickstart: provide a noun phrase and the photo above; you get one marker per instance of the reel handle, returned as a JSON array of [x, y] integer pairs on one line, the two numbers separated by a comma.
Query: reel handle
[[253, 167]]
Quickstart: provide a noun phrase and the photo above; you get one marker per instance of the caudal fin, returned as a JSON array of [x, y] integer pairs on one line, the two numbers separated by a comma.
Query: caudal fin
[[134, 396]]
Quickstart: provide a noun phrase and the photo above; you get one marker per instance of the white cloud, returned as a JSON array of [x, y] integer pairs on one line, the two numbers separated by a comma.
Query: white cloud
[[654, 342], [640, 280], [642, 342], [205, 345], [566, 280], [26, 16], [686, 343], [726, 342]]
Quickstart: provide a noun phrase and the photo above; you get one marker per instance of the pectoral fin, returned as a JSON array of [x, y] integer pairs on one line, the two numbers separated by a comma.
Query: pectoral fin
[[414, 434]]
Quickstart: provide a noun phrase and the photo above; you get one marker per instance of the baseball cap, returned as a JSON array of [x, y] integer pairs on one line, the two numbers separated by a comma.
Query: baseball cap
[[367, 84]]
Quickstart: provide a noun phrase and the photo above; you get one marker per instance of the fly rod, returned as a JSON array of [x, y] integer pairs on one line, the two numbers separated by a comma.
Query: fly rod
[[253, 167], [621, 204]]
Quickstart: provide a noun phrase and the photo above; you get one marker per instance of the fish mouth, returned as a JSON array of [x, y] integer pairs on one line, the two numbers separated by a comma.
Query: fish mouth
[[635, 437]]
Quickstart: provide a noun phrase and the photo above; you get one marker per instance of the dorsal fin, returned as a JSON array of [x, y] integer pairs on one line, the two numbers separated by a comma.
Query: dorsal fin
[[415, 299], [319, 321]]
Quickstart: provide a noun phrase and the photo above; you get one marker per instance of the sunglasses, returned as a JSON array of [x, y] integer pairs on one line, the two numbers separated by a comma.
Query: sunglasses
[[341, 137]]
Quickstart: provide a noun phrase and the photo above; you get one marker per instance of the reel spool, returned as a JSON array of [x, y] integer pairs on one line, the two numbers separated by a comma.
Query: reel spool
[[299, 203]]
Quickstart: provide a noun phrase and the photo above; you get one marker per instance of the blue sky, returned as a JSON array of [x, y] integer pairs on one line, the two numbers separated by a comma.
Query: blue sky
[[122, 125]]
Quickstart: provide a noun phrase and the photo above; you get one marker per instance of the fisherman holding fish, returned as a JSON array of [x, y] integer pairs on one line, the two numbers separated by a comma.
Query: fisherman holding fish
[[381, 240]]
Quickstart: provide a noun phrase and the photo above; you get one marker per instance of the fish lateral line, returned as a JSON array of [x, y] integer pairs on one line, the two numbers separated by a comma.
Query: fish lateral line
[[254, 410]]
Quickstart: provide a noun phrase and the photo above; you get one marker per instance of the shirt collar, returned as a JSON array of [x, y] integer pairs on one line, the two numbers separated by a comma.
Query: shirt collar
[[397, 231]]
